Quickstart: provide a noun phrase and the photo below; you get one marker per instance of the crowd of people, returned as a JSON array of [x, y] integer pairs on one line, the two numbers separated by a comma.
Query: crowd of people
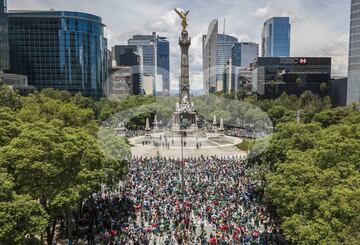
[[246, 133], [216, 202]]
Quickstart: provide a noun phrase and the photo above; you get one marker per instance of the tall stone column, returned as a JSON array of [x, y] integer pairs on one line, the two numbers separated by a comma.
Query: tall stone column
[[184, 43]]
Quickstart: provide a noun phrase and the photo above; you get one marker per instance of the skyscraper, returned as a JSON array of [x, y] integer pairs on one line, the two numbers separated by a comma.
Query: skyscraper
[[130, 59], [155, 55], [59, 49], [224, 53], [275, 39], [117, 50], [242, 55], [163, 63], [210, 57], [216, 53], [4, 44], [353, 86]]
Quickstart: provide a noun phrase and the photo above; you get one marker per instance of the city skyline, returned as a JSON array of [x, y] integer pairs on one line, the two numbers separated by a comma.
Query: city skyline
[[244, 19]]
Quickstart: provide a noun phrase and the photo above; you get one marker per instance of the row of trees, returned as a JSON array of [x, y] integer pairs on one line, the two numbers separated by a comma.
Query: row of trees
[[311, 170], [51, 162]]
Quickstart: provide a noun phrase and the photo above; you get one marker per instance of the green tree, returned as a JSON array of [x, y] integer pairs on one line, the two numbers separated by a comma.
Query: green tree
[[21, 220], [9, 98], [116, 151], [54, 165], [9, 126], [314, 184], [298, 81], [279, 114], [323, 88], [332, 116]]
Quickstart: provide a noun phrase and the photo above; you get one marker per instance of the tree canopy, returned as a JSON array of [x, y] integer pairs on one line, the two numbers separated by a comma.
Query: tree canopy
[[50, 160], [314, 184]]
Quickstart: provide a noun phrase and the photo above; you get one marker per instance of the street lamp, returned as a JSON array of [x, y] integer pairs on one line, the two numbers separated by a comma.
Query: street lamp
[[184, 123]]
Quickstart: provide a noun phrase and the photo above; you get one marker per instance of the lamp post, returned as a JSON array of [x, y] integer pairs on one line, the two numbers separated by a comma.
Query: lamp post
[[184, 123]]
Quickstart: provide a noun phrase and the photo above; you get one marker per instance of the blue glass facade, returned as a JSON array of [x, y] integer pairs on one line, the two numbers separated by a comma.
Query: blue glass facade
[[243, 54], [4, 45], [163, 63], [224, 53], [60, 50], [353, 85], [155, 55], [236, 54], [276, 37]]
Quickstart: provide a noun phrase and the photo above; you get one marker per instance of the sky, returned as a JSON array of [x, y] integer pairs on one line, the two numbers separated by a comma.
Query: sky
[[319, 27]]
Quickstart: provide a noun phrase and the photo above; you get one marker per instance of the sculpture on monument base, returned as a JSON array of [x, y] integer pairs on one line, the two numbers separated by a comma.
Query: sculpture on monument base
[[214, 124], [147, 127], [221, 129], [155, 127]]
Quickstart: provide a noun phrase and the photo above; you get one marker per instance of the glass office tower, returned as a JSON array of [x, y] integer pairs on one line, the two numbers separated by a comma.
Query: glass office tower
[[118, 50], [216, 53], [224, 53], [209, 48], [4, 44], [59, 49], [155, 55], [276, 37], [353, 86], [163, 63], [244, 53]]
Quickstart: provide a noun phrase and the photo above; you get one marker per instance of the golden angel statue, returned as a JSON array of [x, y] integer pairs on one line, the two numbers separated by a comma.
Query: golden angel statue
[[183, 14]]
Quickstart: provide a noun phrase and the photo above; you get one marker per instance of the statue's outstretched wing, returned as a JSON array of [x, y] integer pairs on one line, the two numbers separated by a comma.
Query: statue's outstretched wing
[[179, 12]]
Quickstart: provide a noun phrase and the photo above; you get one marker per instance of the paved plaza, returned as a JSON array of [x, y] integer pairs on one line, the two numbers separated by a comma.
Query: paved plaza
[[212, 145]]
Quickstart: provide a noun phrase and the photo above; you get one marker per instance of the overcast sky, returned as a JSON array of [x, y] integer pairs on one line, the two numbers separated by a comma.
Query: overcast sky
[[319, 27]]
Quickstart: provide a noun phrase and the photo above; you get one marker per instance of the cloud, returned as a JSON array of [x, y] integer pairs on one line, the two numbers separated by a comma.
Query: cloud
[[263, 13], [339, 50], [268, 12], [309, 41], [242, 37]]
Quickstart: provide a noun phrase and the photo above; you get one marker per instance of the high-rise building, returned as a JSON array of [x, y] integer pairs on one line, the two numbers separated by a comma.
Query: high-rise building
[[4, 44], [155, 55], [59, 49], [243, 54], [130, 59], [353, 86], [130, 55], [117, 50], [224, 53], [228, 86], [209, 46], [273, 76], [216, 53], [163, 64], [119, 84], [275, 39]]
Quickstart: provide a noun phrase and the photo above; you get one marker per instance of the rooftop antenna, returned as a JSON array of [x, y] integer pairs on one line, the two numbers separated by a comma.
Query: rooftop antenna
[[224, 26]]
